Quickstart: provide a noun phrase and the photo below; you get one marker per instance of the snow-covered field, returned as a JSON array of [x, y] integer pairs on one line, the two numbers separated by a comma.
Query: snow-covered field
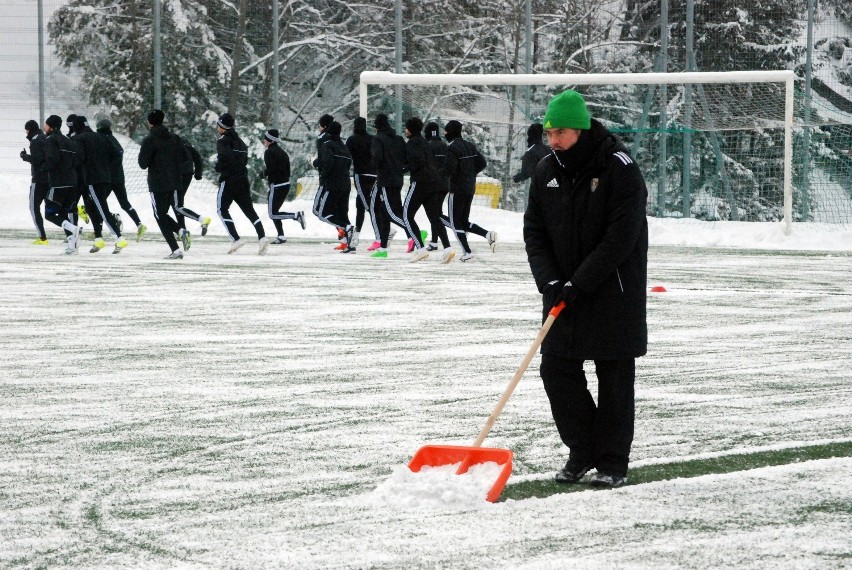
[[243, 411]]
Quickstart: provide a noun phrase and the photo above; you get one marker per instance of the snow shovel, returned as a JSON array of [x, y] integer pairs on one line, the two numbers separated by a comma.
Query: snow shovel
[[437, 455]]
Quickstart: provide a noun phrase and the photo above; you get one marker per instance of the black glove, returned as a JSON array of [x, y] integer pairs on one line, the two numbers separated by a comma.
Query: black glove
[[568, 295], [551, 293], [24, 155], [197, 175], [216, 167]]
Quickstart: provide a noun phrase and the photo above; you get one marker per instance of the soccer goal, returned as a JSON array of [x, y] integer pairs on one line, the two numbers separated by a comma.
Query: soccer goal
[[712, 145]]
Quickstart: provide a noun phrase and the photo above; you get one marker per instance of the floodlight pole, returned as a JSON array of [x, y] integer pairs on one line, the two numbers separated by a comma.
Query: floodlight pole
[[276, 78], [158, 82], [398, 67], [41, 60]]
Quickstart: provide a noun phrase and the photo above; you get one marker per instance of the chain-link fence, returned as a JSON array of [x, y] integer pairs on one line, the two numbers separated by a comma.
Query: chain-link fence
[[99, 60]]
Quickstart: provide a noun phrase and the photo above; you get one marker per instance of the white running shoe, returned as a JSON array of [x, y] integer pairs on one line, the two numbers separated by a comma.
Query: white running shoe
[[176, 254], [492, 240], [448, 255], [392, 232], [263, 245], [466, 257], [419, 255], [235, 245]]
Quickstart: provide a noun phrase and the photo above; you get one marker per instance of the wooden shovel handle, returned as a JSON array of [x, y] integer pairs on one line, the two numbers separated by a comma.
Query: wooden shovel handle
[[539, 338]]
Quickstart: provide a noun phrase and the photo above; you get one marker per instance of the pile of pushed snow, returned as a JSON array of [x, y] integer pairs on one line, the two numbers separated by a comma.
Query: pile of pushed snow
[[437, 487]]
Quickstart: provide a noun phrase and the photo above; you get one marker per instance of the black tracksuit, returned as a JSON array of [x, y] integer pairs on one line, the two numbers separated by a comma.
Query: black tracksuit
[[464, 162], [277, 174], [60, 157], [536, 151], [162, 155], [192, 167], [116, 175], [334, 162], [389, 160], [98, 158], [425, 189], [363, 173], [40, 182], [586, 223], [232, 158]]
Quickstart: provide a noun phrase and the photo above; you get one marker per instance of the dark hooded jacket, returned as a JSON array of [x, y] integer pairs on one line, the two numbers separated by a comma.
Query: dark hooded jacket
[[464, 162], [388, 152], [439, 151], [98, 155], [232, 155], [536, 150], [36, 157], [334, 162], [116, 172], [162, 155], [422, 164], [359, 145], [192, 163], [277, 163], [585, 223], [59, 160]]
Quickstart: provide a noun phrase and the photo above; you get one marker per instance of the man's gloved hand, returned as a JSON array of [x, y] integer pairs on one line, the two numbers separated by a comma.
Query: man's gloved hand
[[551, 293], [569, 295], [24, 155]]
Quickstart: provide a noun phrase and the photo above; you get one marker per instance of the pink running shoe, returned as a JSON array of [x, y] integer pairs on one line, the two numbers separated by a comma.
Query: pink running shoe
[[375, 245], [410, 246]]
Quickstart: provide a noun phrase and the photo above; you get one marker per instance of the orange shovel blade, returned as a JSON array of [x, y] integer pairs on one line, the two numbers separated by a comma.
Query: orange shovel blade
[[437, 455]]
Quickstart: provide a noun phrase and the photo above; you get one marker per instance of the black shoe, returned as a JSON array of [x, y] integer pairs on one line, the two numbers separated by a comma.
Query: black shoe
[[572, 472], [432, 246], [607, 481], [348, 249], [279, 240]]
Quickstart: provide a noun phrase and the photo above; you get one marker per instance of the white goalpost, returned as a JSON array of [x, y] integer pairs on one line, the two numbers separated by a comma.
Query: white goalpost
[[706, 106]]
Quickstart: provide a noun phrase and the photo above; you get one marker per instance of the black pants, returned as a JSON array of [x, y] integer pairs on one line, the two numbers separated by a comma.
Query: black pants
[[332, 206], [365, 185], [236, 190], [431, 199], [458, 218], [181, 211], [119, 190], [277, 195], [62, 207], [390, 212], [597, 434], [38, 194], [98, 194], [161, 202]]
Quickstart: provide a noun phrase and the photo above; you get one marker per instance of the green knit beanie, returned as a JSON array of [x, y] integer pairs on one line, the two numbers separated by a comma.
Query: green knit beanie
[[567, 111]]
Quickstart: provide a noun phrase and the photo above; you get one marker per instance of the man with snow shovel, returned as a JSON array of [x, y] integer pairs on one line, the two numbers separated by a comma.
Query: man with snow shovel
[[586, 238]]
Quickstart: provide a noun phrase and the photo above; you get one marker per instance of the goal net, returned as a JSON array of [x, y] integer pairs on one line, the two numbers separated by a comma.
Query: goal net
[[712, 146]]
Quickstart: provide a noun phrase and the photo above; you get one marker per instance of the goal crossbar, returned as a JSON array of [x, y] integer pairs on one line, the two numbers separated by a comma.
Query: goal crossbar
[[690, 77]]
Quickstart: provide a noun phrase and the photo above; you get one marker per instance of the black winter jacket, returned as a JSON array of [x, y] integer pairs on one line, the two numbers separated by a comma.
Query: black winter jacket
[[277, 163], [389, 159], [421, 162], [334, 163], [192, 163], [535, 152], [360, 145], [99, 155], [464, 162], [439, 151], [116, 172], [232, 154], [36, 158], [585, 223], [60, 160], [162, 155]]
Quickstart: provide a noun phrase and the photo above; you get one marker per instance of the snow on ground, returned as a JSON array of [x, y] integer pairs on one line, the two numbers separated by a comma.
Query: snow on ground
[[244, 411]]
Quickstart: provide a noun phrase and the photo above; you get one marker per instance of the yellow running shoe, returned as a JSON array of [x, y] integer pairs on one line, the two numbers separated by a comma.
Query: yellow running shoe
[[81, 211], [140, 231], [98, 245], [39, 241], [119, 245]]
